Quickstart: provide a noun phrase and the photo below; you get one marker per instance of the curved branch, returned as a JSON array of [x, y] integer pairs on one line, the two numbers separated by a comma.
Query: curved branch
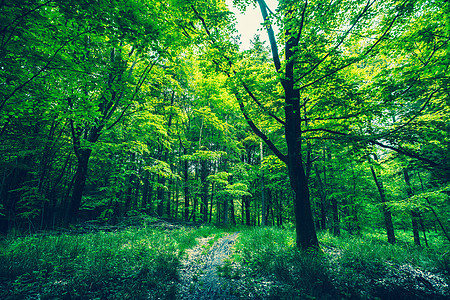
[[412, 155], [373, 140], [260, 104], [259, 133], [3, 30], [201, 19]]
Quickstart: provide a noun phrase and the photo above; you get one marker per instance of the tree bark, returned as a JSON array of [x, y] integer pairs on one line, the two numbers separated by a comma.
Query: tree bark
[[322, 194], [160, 195], [386, 211], [78, 185], [204, 192], [305, 230], [415, 216], [263, 200], [145, 190], [333, 200], [186, 189]]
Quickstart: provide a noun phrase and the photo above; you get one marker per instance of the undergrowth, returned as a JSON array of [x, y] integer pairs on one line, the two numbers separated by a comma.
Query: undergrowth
[[269, 266], [143, 262], [135, 263]]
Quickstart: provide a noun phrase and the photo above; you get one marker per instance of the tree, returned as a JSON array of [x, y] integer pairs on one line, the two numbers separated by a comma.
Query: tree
[[325, 43]]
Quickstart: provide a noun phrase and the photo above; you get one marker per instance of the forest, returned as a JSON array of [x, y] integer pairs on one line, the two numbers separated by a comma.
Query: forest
[[130, 130]]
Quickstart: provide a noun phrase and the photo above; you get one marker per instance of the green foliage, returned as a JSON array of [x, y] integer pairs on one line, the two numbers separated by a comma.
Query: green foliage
[[123, 265], [270, 266], [127, 264], [273, 267], [370, 257]]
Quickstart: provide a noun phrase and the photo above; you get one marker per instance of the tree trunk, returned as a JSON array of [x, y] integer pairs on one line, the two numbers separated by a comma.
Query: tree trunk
[[169, 200], [186, 189], [145, 190], [225, 211], [424, 231], [415, 226], [305, 230], [160, 193], [333, 199], [386, 211], [78, 185], [177, 194], [414, 214], [263, 200], [322, 194], [211, 202], [246, 200], [232, 212], [205, 187]]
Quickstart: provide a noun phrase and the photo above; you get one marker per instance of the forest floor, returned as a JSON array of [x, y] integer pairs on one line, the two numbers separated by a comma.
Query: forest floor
[[160, 259], [199, 272]]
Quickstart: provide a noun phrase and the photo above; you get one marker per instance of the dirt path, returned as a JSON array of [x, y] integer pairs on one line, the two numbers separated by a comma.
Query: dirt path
[[199, 274]]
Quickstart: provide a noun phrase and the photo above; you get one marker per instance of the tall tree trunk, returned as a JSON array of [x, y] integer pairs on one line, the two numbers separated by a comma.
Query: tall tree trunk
[[160, 195], [305, 230], [263, 200], [415, 216], [186, 189], [134, 201], [128, 197], [322, 195], [225, 211], [145, 190], [354, 208], [232, 212], [246, 200], [169, 200], [211, 202], [280, 209], [386, 211], [78, 185], [205, 186], [424, 231], [177, 195], [331, 182]]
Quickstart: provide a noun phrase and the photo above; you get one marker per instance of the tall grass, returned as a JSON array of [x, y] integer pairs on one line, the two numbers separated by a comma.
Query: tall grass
[[348, 268], [128, 264], [372, 247], [143, 263], [271, 267], [124, 265]]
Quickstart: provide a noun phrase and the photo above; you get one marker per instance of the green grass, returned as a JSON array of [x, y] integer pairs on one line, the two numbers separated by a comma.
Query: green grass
[[122, 265], [140, 263], [128, 264], [367, 267], [373, 247], [271, 267]]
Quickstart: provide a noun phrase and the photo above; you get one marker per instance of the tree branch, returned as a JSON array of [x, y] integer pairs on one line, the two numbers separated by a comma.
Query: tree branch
[[40, 71], [259, 133], [366, 8], [353, 60], [201, 19], [271, 34], [260, 104]]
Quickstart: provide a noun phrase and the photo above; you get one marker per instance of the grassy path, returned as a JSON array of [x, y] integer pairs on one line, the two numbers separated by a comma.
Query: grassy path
[[199, 271]]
